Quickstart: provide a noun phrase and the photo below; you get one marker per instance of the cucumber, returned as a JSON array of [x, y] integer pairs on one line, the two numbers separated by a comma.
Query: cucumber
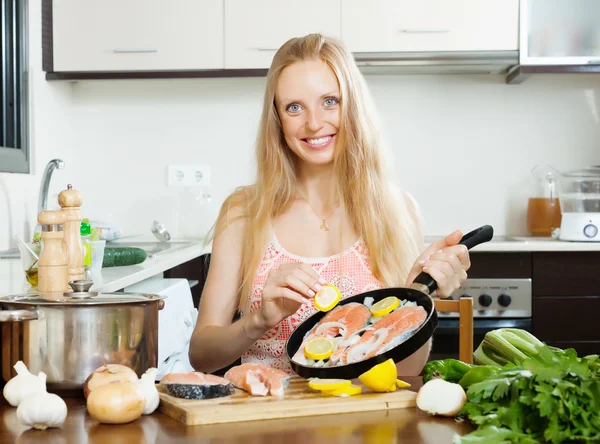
[[120, 256]]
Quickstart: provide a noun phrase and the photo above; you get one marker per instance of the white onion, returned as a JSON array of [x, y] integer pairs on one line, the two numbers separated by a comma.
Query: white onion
[[328, 325]]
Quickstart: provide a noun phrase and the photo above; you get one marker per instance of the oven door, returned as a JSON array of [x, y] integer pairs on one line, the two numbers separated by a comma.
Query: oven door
[[446, 338]]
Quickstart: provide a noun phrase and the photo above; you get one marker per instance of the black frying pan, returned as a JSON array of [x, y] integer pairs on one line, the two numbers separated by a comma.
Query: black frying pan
[[419, 292]]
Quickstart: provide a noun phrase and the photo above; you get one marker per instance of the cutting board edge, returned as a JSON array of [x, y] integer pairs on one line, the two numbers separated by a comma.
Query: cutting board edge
[[190, 418]]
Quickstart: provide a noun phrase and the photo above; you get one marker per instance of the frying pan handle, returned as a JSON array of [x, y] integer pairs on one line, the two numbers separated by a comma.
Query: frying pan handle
[[478, 236]]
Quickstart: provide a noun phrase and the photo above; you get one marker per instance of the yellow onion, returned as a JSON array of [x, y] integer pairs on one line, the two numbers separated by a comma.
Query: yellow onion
[[117, 402], [106, 374]]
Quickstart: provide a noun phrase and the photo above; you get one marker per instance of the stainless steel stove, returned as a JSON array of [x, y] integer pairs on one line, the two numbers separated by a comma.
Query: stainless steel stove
[[496, 298], [497, 303]]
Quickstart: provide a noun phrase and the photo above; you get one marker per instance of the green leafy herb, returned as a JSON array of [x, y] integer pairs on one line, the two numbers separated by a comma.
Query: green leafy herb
[[551, 396]]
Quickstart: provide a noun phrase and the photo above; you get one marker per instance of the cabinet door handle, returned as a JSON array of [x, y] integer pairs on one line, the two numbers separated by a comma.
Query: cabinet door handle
[[424, 31], [265, 48], [133, 50]]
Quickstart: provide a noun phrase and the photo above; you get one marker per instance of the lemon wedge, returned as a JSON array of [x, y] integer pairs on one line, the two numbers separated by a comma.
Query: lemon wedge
[[349, 390], [385, 306], [402, 384], [381, 378], [318, 348], [329, 384], [327, 297]]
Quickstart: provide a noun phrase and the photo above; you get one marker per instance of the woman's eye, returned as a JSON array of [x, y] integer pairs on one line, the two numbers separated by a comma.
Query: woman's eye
[[293, 108], [331, 101]]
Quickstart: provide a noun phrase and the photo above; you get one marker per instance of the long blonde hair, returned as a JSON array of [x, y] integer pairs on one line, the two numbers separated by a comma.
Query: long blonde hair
[[385, 219]]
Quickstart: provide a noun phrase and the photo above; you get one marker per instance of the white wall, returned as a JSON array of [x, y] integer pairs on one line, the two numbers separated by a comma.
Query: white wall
[[463, 145]]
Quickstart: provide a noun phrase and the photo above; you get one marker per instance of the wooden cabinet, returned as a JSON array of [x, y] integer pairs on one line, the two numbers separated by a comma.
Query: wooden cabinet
[[566, 299], [136, 35], [430, 25], [255, 29]]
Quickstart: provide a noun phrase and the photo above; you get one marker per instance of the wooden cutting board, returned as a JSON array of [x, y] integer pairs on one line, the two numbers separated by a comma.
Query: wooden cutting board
[[299, 400]]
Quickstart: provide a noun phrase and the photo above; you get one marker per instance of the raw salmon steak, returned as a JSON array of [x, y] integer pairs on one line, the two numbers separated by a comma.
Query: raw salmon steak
[[385, 334], [342, 321], [196, 385], [258, 379]]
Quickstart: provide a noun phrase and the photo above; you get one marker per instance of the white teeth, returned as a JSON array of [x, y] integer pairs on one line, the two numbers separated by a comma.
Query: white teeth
[[319, 141]]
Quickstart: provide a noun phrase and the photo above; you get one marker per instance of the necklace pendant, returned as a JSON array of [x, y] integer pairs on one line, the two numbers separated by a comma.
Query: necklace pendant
[[324, 226]]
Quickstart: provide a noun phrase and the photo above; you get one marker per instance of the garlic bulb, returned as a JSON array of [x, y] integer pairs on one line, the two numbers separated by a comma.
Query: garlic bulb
[[23, 385], [42, 410], [148, 386]]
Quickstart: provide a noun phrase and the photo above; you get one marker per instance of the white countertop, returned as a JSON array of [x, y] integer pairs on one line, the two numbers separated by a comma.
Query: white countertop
[[12, 278], [529, 244]]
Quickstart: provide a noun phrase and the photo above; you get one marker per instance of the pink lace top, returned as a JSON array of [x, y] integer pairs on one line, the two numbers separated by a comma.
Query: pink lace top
[[349, 271]]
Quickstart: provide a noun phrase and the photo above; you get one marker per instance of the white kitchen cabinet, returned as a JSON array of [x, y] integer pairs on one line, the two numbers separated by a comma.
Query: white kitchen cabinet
[[255, 29], [137, 35], [430, 25]]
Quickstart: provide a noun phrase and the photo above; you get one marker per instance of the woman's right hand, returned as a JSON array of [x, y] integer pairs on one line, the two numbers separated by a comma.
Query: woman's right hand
[[286, 289]]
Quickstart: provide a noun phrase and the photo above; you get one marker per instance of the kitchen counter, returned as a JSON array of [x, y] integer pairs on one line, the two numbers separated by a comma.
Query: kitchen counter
[[12, 278], [409, 425], [507, 244]]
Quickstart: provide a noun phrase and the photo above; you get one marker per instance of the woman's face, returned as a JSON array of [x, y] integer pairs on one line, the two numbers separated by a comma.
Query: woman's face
[[308, 102]]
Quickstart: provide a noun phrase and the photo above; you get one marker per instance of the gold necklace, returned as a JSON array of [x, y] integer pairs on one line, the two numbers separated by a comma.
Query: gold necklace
[[324, 225]]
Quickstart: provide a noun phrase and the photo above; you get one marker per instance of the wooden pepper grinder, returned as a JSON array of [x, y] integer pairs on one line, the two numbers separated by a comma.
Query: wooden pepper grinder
[[52, 266], [70, 201]]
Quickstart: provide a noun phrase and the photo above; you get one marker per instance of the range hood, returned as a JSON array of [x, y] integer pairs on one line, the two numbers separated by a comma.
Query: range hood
[[443, 62]]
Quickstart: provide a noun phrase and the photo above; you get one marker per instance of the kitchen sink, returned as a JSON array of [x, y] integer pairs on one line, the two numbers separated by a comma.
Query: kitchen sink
[[153, 248]]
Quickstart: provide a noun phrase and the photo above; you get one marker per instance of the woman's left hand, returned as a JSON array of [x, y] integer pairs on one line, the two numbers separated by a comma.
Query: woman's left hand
[[446, 262]]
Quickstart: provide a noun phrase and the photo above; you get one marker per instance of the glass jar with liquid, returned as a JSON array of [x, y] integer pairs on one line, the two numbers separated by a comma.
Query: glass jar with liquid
[[543, 208]]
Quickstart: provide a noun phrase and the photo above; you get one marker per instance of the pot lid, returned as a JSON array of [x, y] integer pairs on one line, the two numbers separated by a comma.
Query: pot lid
[[80, 296]]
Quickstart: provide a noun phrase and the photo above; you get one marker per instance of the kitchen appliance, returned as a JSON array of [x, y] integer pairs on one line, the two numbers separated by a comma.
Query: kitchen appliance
[[68, 337], [543, 208], [418, 292], [497, 303], [176, 322], [580, 205]]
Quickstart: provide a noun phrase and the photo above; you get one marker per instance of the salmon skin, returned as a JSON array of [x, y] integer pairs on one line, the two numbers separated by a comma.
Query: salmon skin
[[197, 385], [258, 379]]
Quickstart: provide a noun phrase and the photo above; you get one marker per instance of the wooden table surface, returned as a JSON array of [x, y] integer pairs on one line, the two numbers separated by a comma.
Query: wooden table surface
[[408, 425]]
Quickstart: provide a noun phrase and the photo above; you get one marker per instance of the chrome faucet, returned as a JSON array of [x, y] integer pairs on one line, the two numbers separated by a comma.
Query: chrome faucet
[[43, 197]]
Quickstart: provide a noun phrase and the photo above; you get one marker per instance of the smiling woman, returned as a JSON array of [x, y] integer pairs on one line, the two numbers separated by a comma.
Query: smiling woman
[[321, 211]]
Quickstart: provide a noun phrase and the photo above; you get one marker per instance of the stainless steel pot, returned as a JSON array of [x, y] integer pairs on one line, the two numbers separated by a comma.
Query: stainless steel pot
[[69, 335]]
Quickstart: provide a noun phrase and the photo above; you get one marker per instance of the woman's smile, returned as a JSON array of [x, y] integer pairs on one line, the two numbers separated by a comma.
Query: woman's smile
[[319, 143]]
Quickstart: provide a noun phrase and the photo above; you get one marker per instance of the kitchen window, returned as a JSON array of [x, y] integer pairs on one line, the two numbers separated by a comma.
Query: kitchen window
[[15, 151]]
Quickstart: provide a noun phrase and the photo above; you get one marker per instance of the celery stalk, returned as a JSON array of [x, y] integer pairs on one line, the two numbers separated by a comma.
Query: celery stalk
[[505, 345]]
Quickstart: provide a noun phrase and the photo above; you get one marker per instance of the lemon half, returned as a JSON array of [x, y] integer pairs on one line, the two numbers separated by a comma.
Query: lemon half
[[318, 348], [385, 306], [327, 297], [329, 384]]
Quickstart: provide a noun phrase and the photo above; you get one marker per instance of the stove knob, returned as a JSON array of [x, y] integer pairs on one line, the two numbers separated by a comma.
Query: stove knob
[[504, 300], [485, 300]]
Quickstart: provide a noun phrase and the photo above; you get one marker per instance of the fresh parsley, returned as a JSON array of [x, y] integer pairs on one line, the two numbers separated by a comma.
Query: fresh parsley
[[553, 397]]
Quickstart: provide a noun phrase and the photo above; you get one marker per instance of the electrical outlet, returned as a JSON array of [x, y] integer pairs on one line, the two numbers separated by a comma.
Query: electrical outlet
[[188, 175]]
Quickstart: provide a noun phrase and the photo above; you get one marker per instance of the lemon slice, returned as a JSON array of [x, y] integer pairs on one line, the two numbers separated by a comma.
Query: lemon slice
[[329, 384], [327, 297], [349, 390], [318, 348], [381, 378], [402, 384], [385, 306]]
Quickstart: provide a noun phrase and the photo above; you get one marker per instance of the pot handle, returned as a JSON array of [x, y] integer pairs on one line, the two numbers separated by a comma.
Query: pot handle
[[18, 315], [478, 236]]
